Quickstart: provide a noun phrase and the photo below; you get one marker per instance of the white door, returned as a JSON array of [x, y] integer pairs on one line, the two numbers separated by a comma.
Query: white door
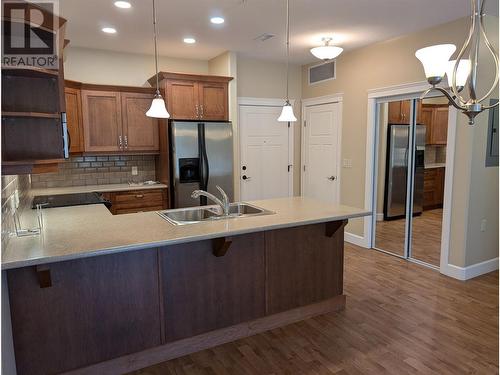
[[321, 144], [264, 169]]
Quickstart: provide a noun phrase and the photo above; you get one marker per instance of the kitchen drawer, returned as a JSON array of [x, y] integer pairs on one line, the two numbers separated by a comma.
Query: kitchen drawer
[[138, 196], [120, 211]]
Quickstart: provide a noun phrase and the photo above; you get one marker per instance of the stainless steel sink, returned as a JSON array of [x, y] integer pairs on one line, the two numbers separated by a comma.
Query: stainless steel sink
[[192, 215]]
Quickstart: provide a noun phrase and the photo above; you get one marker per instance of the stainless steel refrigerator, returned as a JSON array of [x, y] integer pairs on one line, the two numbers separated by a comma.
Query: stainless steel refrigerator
[[397, 171], [201, 156]]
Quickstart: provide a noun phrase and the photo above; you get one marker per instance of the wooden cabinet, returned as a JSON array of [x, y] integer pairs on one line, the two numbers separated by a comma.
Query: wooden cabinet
[[433, 188], [182, 99], [202, 292], [304, 266], [33, 139], [399, 112], [96, 309], [195, 97], [74, 119], [131, 201], [139, 131], [102, 121], [116, 121], [435, 118]]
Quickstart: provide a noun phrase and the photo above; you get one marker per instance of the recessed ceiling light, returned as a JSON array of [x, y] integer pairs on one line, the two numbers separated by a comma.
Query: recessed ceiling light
[[122, 4], [189, 40], [217, 20], [109, 30]]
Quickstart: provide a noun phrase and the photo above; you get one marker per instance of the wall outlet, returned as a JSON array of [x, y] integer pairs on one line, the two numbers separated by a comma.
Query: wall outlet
[[483, 225], [347, 163], [134, 171]]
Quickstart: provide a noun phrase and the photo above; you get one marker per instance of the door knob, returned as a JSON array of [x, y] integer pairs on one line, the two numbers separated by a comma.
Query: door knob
[[332, 178], [245, 177]]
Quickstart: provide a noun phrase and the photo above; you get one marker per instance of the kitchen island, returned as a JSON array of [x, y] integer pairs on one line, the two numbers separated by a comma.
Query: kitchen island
[[104, 294]]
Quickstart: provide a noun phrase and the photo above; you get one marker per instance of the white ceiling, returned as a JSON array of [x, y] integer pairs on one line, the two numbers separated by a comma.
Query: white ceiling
[[355, 23]]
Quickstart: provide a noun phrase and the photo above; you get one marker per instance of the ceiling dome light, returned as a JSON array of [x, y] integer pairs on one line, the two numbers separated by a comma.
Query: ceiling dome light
[[326, 52], [189, 40], [217, 20], [109, 30], [123, 4]]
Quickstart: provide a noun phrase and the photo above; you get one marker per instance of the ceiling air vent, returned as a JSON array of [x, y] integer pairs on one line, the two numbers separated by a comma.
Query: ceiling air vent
[[264, 37], [322, 72]]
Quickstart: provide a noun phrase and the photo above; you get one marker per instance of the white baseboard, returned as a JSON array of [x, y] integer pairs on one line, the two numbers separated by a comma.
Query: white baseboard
[[469, 272], [355, 239]]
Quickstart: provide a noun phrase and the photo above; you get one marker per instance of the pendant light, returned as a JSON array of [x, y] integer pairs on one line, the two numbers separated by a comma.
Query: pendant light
[[158, 108], [461, 72], [326, 52], [287, 111]]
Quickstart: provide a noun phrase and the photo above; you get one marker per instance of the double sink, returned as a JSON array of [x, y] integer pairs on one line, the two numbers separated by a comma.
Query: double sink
[[192, 215]]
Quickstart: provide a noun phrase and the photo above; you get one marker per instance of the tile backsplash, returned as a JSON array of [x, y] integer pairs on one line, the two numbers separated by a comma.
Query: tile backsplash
[[14, 188], [98, 170], [435, 154]]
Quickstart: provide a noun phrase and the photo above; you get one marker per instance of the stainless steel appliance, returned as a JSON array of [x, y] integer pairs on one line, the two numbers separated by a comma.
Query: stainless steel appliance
[[65, 200], [201, 155], [397, 169]]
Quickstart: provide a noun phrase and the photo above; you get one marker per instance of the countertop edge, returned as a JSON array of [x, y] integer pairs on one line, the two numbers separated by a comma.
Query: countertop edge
[[148, 245]]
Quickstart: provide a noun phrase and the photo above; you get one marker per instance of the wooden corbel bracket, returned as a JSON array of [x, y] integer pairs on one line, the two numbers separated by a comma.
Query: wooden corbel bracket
[[44, 276], [332, 227], [221, 245]]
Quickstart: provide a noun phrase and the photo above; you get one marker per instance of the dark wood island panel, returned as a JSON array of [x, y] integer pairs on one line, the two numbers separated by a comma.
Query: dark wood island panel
[[113, 314]]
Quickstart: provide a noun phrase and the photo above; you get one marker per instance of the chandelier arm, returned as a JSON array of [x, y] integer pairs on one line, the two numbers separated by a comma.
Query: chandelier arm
[[460, 55], [495, 59], [445, 93]]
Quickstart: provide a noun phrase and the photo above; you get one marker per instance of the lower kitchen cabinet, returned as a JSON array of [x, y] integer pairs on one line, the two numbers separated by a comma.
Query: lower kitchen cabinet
[[202, 292], [433, 188], [304, 266], [96, 309], [131, 201]]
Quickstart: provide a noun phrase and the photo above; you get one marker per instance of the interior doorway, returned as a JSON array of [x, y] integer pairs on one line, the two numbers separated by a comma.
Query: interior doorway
[[266, 149], [411, 140]]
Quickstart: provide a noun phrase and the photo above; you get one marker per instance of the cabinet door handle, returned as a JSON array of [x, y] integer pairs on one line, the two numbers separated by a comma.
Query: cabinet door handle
[[197, 111], [126, 141], [120, 142], [201, 109], [138, 196]]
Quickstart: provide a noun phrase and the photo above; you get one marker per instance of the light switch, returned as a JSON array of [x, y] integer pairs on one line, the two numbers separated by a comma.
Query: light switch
[[134, 171]]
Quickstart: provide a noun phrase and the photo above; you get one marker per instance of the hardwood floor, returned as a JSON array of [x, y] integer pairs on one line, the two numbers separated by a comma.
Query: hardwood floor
[[401, 318], [426, 244]]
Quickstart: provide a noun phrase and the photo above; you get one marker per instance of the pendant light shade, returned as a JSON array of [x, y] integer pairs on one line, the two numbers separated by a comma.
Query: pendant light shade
[[158, 108], [435, 60], [287, 111], [462, 74], [326, 52]]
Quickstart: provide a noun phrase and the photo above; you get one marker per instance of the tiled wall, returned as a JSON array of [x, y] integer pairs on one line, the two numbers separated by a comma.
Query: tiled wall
[[98, 170], [435, 154], [12, 186]]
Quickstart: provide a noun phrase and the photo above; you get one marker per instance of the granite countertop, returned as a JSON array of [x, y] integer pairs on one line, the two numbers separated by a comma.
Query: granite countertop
[[435, 165], [92, 188], [84, 231]]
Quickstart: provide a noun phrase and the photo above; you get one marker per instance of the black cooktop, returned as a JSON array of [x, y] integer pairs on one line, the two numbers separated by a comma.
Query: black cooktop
[[65, 200]]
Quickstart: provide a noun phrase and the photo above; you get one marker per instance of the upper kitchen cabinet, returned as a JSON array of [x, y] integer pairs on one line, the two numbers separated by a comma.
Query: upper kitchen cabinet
[[73, 99], [435, 118], [102, 120], [140, 132], [195, 97], [114, 120], [34, 138], [399, 112]]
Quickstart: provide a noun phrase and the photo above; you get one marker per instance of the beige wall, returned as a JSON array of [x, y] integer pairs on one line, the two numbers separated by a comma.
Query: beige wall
[[392, 63], [265, 79], [117, 68]]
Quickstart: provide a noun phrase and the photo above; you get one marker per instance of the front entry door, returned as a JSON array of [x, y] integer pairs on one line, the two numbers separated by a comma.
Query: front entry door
[[321, 149], [264, 169]]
